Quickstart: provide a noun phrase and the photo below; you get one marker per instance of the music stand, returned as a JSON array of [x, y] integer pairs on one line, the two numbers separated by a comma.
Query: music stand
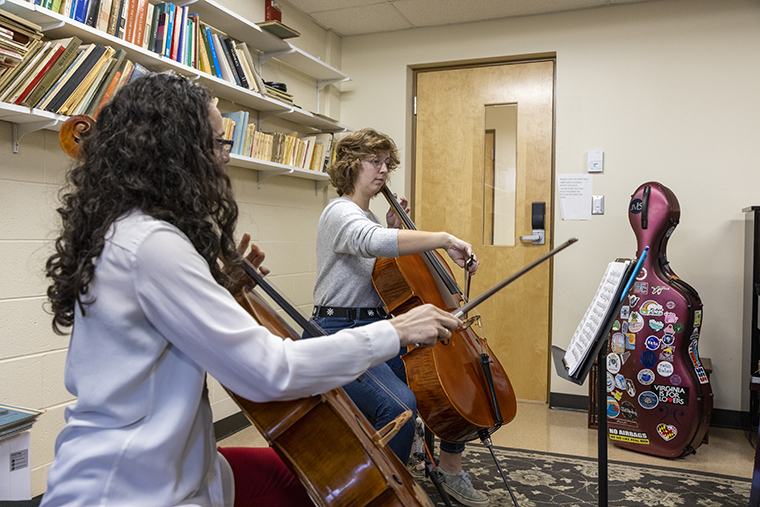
[[598, 351]]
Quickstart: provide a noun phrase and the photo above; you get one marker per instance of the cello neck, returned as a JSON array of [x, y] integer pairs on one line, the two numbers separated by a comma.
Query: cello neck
[[433, 260], [281, 300]]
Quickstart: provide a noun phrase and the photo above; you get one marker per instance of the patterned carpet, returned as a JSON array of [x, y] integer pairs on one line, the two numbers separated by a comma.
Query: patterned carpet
[[541, 479]]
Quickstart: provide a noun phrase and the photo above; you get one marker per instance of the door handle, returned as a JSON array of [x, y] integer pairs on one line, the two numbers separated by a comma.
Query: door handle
[[538, 209]]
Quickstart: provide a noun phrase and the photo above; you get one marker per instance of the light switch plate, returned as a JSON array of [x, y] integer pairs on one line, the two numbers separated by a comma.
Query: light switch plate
[[597, 205]]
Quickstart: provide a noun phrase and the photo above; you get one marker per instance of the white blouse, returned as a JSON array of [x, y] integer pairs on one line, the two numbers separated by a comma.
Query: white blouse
[[141, 432]]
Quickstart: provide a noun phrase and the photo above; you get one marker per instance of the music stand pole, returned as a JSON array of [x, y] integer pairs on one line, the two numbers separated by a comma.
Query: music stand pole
[[601, 423]]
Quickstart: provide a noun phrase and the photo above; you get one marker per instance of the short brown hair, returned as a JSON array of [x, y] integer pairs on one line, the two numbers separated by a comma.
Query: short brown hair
[[350, 152]]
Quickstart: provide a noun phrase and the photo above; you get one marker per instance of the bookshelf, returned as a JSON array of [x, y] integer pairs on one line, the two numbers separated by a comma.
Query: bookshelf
[[57, 26]]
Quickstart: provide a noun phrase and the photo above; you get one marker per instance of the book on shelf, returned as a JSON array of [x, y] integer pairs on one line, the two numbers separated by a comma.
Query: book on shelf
[[224, 65], [113, 67], [236, 65], [113, 17], [110, 84], [249, 62], [141, 16], [121, 77], [176, 33], [79, 10], [227, 62], [279, 29], [278, 94], [11, 77], [104, 14], [154, 12], [238, 136], [37, 61], [310, 142], [599, 312], [212, 50], [250, 131], [81, 105], [93, 11], [130, 16], [324, 145], [171, 14], [121, 23], [138, 71], [79, 86], [91, 53], [69, 54], [56, 53], [204, 56]]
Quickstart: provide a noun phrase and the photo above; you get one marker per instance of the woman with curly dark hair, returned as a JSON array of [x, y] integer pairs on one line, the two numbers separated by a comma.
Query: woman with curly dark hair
[[148, 216], [349, 239]]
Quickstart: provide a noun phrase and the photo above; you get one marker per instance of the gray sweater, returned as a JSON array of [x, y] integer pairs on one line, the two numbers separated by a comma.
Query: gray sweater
[[348, 242]]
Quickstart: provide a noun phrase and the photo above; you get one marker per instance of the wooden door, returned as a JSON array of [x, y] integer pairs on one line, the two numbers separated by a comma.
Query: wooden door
[[451, 193]]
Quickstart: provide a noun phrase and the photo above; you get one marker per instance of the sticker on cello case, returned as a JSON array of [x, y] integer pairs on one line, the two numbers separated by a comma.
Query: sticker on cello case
[[675, 379], [648, 359], [624, 312], [628, 410], [617, 394], [630, 388], [702, 375], [678, 328], [613, 409], [633, 300], [666, 354], [620, 382], [636, 206], [641, 287], [618, 343], [694, 355], [667, 431], [648, 400], [670, 305], [656, 325], [651, 309], [669, 329], [665, 368], [694, 334], [697, 318], [642, 274], [668, 340], [635, 322], [645, 376], [670, 318], [616, 325], [624, 356], [630, 341], [652, 342], [613, 363], [670, 231], [624, 327], [677, 395], [633, 437], [656, 290], [610, 382]]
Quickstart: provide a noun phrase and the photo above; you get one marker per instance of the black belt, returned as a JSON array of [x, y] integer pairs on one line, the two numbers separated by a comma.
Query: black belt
[[350, 313]]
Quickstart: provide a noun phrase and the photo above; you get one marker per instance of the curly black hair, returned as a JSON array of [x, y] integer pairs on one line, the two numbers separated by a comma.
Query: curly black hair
[[153, 150]]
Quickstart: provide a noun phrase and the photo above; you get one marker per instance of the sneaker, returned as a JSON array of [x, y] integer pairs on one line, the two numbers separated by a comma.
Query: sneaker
[[459, 486]]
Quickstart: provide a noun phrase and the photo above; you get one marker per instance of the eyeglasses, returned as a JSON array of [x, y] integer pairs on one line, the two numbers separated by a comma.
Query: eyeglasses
[[225, 145], [377, 162]]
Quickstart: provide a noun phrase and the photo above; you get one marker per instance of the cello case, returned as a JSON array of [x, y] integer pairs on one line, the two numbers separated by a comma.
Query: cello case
[[659, 399]]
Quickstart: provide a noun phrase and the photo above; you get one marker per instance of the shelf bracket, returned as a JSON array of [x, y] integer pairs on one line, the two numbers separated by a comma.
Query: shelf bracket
[[274, 54], [262, 176], [21, 129], [321, 83], [319, 185]]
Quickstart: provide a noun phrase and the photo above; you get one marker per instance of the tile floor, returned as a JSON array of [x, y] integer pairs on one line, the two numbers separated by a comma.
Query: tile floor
[[539, 428]]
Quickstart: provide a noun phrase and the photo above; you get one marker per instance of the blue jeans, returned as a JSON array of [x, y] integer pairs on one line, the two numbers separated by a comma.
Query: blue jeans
[[397, 366], [370, 392]]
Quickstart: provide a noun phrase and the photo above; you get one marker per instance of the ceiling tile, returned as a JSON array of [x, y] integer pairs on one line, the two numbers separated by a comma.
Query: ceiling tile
[[312, 6], [375, 18], [446, 12]]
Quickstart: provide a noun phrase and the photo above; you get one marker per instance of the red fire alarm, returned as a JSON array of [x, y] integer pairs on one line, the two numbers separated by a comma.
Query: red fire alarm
[[272, 11]]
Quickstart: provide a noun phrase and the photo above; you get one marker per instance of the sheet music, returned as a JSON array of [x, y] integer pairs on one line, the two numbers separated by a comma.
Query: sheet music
[[596, 316]]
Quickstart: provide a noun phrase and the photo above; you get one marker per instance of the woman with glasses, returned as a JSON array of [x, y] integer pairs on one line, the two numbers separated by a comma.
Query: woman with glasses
[[349, 239], [142, 276]]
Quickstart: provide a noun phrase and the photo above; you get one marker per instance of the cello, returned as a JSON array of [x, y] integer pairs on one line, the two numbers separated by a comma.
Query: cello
[[462, 391], [362, 470]]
